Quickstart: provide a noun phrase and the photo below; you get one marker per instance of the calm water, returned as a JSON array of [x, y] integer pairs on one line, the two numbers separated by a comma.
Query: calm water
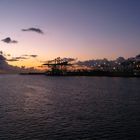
[[69, 108]]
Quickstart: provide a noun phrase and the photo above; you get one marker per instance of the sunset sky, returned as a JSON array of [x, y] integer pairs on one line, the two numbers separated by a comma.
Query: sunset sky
[[83, 29]]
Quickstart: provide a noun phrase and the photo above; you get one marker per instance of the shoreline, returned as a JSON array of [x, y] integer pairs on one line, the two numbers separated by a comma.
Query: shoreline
[[96, 74]]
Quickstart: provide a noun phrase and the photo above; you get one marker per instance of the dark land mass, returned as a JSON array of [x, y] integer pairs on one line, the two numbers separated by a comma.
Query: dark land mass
[[87, 73]]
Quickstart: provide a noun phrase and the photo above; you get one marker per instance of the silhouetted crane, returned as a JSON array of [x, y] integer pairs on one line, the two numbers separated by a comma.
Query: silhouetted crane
[[58, 66]]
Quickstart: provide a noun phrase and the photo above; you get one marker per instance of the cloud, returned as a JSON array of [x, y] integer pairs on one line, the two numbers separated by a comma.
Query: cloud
[[7, 68], [12, 60], [20, 57], [69, 59], [9, 40], [2, 58], [34, 56], [4, 66], [16, 58], [23, 57], [37, 30], [1, 52]]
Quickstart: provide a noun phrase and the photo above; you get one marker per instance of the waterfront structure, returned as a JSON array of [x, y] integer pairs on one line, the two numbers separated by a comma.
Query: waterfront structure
[[58, 66]]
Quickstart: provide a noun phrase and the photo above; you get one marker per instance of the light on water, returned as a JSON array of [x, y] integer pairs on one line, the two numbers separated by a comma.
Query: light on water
[[76, 108]]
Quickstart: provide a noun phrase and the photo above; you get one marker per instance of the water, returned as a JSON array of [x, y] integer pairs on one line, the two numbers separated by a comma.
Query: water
[[69, 108]]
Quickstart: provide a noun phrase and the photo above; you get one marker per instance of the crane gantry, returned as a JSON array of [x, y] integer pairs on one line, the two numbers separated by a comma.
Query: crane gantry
[[58, 66]]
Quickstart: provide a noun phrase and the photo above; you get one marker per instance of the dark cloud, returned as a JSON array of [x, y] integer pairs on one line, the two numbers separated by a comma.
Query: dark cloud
[[37, 30], [4, 66], [25, 56], [1, 52], [2, 58], [7, 68], [9, 40], [8, 54], [69, 59], [12, 60], [20, 57], [16, 58], [34, 56]]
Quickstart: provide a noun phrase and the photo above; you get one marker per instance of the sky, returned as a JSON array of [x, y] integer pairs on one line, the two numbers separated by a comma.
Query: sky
[[83, 29]]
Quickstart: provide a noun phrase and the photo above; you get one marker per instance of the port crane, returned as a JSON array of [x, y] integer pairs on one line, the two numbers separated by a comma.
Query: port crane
[[58, 65]]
